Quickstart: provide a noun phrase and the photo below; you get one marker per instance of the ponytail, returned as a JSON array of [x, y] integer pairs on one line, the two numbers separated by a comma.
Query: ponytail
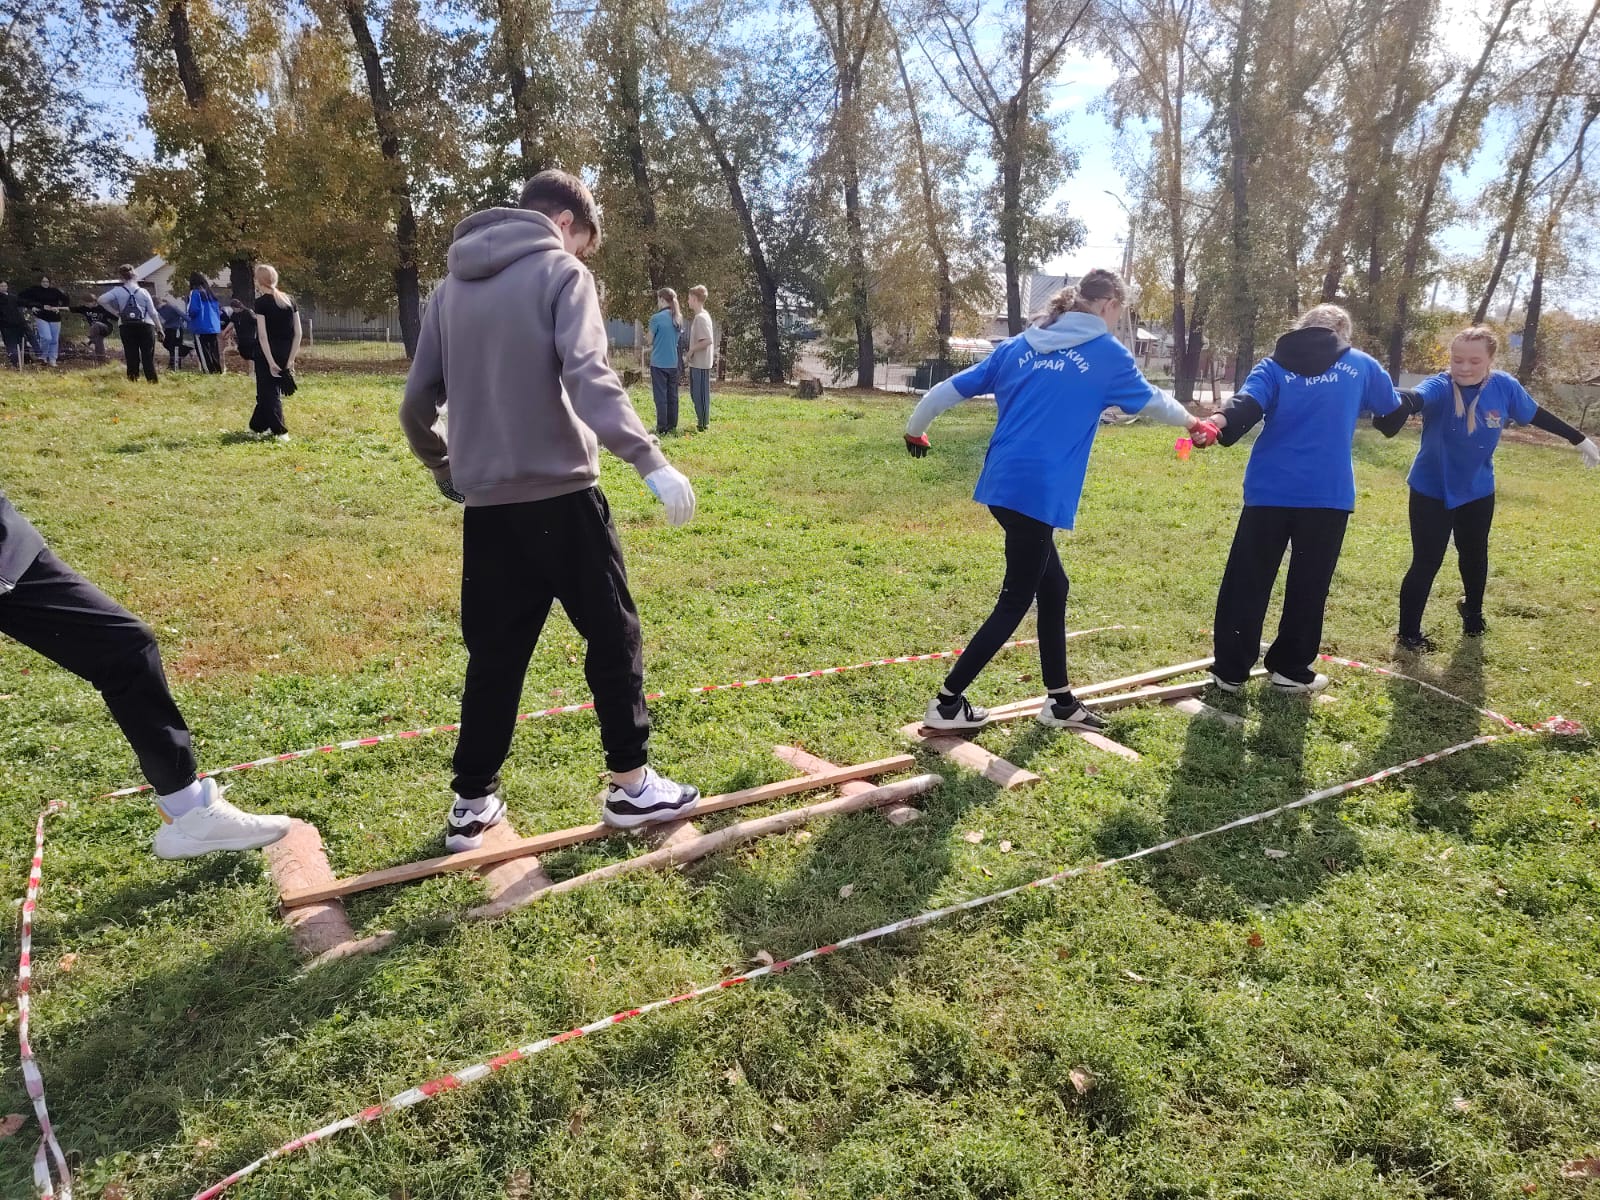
[[670, 298], [1098, 284], [267, 277]]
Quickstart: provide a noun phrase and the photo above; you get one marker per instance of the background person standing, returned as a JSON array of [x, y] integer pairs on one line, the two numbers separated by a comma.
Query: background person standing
[[664, 327], [205, 321], [135, 308], [277, 343], [49, 304], [13, 325], [702, 356]]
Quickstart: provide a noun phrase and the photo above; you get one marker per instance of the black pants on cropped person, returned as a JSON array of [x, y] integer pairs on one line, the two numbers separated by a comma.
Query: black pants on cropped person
[[139, 349], [517, 560], [59, 613], [1432, 527], [1313, 537]]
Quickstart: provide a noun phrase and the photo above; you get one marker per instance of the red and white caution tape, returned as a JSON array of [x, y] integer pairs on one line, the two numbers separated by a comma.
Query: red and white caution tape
[[49, 1147], [273, 760], [412, 1097]]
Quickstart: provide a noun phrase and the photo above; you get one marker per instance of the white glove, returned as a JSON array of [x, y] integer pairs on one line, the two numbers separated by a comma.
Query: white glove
[[1590, 452], [672, 488]]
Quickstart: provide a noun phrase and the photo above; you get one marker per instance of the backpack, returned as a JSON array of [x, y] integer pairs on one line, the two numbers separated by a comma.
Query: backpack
[[131, 309]]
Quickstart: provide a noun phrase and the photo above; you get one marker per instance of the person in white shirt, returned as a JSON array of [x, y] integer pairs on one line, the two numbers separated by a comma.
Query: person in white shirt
[[702, 356]]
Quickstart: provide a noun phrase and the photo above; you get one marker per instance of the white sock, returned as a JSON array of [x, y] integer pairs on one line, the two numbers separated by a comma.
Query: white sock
[[476, 805], [175, 804]]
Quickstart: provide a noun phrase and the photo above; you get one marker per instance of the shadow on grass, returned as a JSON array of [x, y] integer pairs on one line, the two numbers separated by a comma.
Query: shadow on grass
[[1225, 773], [154, 444]]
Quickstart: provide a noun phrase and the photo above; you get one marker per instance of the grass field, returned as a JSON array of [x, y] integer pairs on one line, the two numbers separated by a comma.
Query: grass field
[[1407, 1005]]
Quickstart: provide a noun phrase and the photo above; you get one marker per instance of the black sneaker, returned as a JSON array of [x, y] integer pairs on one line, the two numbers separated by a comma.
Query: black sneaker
[[1421, 644], [655, 800], [1066, 711], [959, 715], [463, 828], [1472, 623]]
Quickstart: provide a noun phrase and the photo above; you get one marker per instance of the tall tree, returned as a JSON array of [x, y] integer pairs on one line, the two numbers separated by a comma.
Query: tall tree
[[1000, 88], [932, 216], [1566, 180]]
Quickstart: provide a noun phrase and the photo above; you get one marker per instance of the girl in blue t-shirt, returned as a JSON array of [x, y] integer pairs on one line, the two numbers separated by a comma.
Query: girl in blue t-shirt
[[1463, 412], [1299, 491], [665, 327], [1050, 384]]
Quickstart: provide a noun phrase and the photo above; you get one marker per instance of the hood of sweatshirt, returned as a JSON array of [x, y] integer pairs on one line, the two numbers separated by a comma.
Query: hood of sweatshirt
[[488, 242], [1309, 351], [1066, 331]]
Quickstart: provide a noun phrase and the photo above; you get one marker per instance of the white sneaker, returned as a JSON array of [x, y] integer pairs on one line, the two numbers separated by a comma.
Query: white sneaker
[[1283, 683], [282, 437], [1226, 685], [1066, 711], [216, 825], [463, 827], [959, 715], [657, 799]]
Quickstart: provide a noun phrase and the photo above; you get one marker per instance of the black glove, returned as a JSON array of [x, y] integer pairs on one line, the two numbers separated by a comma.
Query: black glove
[[447, 489], [917, 445]]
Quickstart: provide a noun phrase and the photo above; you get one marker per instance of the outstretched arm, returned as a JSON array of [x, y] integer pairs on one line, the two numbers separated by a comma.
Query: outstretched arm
[[1392, 423]]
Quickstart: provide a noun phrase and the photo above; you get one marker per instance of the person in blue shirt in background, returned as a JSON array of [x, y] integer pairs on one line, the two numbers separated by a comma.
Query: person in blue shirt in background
[[1051, 383], [205, 321], [1463, 412], [1299, 492], [664, 328]]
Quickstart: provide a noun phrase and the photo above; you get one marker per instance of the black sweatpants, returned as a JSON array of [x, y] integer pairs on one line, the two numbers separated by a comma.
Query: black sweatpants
[[1033, 573], [270, 391], [210, 352], [1432, 526], [517, 559], [63, 616], [139, 348], [1314, 537], [664, 391]]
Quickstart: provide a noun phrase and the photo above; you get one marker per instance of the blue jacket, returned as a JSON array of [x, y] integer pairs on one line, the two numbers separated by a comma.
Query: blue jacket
[[663, 339], [205, 314], [1050, 384], [1310, 393], [1455, 462]]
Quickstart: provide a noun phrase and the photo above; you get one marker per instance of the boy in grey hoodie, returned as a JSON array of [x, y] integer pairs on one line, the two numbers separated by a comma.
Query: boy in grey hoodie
[[514, 339]]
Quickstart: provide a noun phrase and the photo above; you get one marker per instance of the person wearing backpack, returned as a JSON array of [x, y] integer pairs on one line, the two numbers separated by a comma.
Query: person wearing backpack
[[140, 323], [205, 321]]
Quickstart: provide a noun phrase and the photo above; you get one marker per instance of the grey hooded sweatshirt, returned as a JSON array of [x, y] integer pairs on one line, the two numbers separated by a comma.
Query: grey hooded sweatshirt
[[514, 340]]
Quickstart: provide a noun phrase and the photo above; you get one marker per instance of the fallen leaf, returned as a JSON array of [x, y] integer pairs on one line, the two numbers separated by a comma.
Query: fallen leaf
[[972, 835], [1582, 1168], [1063, 953], [1255, 941], [801, 838], [846, 890], [1271, 853], [719, 1150], [1461, 1104], [1446, 853], [1005, 847], [734, 1075], [1134, 976], [1091, 769], [764, 957], [520, 1185], [987, 874], [777, 1128], [66, 963], [114, 1191], [1082, 1080], [1530, 1189], [10, 1123]]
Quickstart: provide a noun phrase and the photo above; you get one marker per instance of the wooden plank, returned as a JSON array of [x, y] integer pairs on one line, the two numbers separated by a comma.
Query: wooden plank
[[1027, 708], [1145, 695], [896, 814], [1199, 708], [1101, 742], [541, 843], [972, 756], [681, 852]]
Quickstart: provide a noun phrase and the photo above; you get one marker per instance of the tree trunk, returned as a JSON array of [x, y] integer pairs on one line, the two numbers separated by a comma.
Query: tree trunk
[[1338, 236], [630, 101], [514, 45], [1240, 275], [943, 322], [1196, 342], [242, 279], [1430, 187], [407, 291], [766, 282], [1530, 154], [866, 359], [1530, 325], [1009, 151]]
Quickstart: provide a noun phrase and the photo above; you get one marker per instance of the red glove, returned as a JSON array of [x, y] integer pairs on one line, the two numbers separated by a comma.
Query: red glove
[[917, 446], [1205, 434]]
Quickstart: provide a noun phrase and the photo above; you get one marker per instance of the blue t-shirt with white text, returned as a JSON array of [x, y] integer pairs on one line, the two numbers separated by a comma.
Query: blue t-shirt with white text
[[1455, 464], [1049, 411], [1302, 457]]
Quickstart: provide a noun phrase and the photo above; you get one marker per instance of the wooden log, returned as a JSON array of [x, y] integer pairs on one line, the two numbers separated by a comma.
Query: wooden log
[[1200, 709], [297, 861], [1101, 742], [683, 852], [541, 843], [515, 876], [971, 756], [896, 814]]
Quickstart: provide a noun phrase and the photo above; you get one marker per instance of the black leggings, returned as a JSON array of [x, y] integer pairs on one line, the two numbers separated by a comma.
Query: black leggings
[[1432, 526], [1033, 572]]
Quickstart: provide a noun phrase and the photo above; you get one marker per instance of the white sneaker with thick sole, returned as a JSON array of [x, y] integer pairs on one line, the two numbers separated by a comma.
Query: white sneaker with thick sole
[[657, 799], [959, 715], [1068, 712], [1282, 683], [463, 827], [216, 825], [1226, 685]]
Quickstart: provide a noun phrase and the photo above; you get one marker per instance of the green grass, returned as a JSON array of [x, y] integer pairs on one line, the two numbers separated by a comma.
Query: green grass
[[1420, 1018]]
